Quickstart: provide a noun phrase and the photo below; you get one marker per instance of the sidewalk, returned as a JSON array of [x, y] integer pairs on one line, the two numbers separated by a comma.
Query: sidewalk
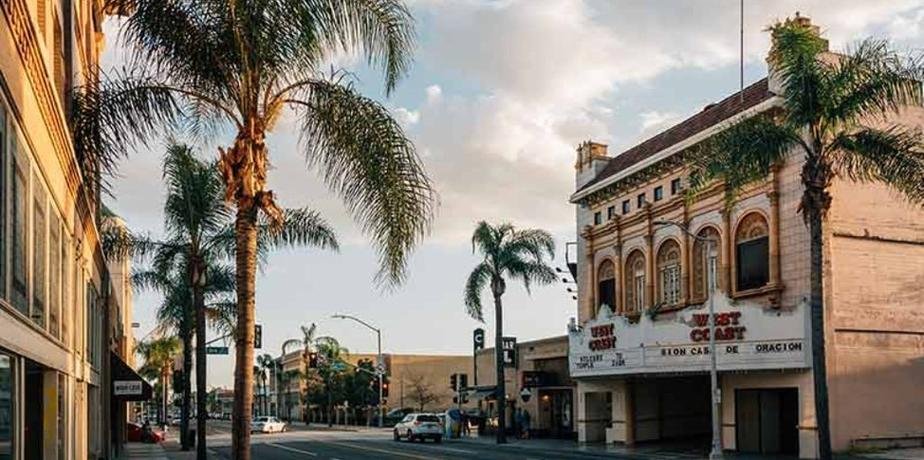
[[137, 450]]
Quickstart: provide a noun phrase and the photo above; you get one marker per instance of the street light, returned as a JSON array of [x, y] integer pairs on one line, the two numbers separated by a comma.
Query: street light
[[716, 451], [381, 362]]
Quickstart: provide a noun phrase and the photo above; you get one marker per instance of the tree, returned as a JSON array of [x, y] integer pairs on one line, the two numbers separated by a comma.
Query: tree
[[186, 265], [835, 115], [239, 66], [331, 358], [420, 391], [306, 343], [266, 364], [506, 253], [158, 356]]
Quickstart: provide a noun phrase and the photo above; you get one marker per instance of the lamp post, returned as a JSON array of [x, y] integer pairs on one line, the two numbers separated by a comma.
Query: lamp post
[[381, 362], [715, 394]]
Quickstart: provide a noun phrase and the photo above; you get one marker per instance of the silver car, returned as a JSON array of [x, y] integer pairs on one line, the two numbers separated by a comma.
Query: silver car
[[420, 426]]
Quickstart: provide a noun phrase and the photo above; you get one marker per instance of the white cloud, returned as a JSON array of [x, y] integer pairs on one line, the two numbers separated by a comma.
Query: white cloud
[[406, 117]]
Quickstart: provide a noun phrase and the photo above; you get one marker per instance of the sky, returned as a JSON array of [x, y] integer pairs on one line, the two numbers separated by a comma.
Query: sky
[[500, 94]]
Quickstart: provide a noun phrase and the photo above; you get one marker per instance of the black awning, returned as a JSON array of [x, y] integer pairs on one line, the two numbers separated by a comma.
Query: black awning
[[126, 384]]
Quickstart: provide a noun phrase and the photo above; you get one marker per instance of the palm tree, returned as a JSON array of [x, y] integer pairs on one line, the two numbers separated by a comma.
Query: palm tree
[[266, 363], [239, 65], [331, 356], [306, 342], [158, 355], [506, 253], [187, 264], [829, 106]]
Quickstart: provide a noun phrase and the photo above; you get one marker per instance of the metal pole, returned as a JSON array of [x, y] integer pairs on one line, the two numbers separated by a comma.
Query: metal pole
[[715, 393], [381, 380]]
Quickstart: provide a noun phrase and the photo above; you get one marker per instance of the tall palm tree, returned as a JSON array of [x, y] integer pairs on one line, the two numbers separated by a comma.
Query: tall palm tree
[[266, 363], [306, 342], [158, 356], [187, 262], [506, 253], [835, 116], [238, 66], [331, 356]]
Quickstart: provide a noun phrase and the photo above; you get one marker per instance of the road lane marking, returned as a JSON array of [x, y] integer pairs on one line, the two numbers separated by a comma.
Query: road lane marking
[[374, 449], [291, 449]]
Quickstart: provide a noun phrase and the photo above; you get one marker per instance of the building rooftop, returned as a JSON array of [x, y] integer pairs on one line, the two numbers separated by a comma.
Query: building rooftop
[[711, 115]]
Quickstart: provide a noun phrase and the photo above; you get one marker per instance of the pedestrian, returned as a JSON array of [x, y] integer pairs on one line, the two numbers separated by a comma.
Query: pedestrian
[[466, 430], [525, 424], [518, 422]]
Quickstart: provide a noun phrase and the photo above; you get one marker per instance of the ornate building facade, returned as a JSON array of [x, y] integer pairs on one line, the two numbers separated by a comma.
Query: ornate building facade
[[648, 257]]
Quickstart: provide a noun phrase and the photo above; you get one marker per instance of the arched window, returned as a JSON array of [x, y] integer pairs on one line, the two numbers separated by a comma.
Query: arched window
[[752, 252], [705, 268], [606, 285], [635, 282], [669, 273]]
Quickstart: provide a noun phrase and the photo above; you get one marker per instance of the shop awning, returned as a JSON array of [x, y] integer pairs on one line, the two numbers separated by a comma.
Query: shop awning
[[126, 384]]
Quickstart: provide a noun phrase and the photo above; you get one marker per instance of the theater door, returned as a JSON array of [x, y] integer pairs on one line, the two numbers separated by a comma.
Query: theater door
[[766, 420]]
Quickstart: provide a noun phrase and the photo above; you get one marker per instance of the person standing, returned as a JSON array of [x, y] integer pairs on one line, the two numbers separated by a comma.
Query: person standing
[[524, 423]]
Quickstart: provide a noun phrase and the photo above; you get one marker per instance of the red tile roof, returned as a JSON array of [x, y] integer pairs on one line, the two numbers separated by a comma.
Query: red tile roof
[[710, 116]]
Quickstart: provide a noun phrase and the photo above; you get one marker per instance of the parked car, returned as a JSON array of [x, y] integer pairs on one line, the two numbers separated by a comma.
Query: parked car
[[419, 426], [268, 425], [136, 433], [396, 415]]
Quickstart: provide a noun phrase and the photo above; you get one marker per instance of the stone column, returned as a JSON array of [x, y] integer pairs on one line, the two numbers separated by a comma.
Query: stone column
[[774, 237], [619, 298], [726, 257], [590, 296], [649, 261]]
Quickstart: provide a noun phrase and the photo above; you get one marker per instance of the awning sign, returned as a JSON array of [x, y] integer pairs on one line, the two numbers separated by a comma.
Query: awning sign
[[127, 388]]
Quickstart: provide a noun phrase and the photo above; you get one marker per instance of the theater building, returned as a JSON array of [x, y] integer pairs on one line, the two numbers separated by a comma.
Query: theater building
[[638, 349]]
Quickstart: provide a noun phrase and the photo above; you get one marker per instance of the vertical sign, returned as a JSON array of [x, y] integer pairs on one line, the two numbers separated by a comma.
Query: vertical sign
[[478, 339], [509, 349], [257, 336]]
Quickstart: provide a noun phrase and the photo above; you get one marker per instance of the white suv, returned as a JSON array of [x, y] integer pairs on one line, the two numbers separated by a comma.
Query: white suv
[[419, 426], [267, 425]]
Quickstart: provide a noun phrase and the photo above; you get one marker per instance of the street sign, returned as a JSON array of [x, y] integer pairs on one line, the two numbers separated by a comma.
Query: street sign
[[126, 387], [478, 339], [509, 350], [258, 336], [216, 350]]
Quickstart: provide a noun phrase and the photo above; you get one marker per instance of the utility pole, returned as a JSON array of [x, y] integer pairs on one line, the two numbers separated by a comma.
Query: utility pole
[[379, 366]]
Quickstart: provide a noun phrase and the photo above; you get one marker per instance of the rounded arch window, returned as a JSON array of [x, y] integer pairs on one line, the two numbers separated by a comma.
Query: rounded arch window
[[705, 265], [635, 282], [669, 273], [752, 252], [606, 285]]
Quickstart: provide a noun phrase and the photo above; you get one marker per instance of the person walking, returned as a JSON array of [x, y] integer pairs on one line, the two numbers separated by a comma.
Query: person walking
[[524, 423]]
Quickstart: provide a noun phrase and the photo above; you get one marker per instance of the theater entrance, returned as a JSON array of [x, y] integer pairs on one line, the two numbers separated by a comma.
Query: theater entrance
[[766, 421]]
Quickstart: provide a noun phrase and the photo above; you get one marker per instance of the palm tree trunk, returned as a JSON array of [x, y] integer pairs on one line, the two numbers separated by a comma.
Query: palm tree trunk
[[201, 366], [186, 334], [819, 371], [501, 390], [245, 229]]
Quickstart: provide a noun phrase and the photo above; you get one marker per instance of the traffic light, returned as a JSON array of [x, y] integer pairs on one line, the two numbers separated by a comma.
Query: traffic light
[[385, 389], [453, 382], [463, 381], [257, 336]]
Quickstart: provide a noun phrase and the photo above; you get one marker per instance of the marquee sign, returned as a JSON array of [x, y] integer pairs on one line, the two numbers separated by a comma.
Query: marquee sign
[[747, 337]]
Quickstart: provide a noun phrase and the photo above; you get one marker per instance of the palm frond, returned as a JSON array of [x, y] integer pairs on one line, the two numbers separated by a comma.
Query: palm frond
[[300, 227], [894, 156], [794, 57], [477, 280], [362, 154]]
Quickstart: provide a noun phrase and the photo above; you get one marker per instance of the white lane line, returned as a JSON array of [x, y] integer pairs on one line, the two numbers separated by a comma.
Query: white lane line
[[449, 449], [381, 451], [292, 449]]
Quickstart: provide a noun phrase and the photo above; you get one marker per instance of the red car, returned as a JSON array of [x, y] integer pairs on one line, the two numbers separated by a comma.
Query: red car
[[135, 433]]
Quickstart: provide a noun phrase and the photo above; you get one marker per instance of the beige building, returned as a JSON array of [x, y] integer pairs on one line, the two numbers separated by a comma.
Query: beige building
[[541, 369], [54, 312], [638, 347]]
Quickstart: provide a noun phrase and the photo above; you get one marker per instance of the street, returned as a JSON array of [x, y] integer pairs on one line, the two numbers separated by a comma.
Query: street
[[321, 443]]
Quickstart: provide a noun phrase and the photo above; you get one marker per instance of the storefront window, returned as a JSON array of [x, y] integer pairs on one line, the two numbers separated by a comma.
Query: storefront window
[[7, 414]]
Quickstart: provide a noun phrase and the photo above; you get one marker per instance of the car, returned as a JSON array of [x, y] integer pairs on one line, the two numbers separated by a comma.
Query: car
[[135, 433], [268, 425], [420, 426], [396, 415]]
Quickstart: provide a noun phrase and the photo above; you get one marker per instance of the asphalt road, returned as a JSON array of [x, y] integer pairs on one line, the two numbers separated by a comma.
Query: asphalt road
[[316, 443]]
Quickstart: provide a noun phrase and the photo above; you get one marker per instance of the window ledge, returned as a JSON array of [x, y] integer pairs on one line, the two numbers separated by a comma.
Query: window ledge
[[13, 311], [763, 290]]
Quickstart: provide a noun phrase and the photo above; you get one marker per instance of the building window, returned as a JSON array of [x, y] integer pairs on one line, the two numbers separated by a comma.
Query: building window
[[669, 273], [54, 276], [610, 212], [676, 186], [640, 201], [4, 183], [658, 193], [752, 252], [704, 264], [39, 254], [598, 218], [9, 423], [19, 200], [625, 206], [635, 282], [606, 285]]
